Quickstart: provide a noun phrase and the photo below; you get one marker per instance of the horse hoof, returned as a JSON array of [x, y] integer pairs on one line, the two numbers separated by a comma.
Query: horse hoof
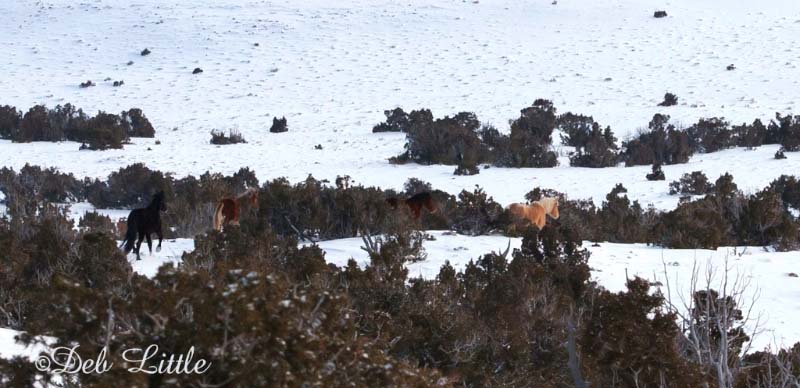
[[158, 249]]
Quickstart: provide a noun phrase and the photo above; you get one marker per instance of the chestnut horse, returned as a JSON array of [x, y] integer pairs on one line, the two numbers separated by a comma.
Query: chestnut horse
[[415, 203], [229, 209], [536, 212]]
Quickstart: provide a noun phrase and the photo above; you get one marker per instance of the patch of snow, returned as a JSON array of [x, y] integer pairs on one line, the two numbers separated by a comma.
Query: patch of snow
[[340, 65]]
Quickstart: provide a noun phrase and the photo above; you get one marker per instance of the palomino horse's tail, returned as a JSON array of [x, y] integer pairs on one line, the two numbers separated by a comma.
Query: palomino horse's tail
[[218, 216]]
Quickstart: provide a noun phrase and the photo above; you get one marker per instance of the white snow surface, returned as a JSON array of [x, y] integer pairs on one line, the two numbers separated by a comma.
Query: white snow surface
[[10, 348], [332, 68]]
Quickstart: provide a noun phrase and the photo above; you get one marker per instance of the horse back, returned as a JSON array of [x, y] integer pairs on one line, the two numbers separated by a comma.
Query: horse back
[[145, 220]]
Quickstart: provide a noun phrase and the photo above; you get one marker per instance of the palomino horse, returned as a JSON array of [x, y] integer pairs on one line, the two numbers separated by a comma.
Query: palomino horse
[[143, 222], [229, 210], [536, 212], [415, 203]]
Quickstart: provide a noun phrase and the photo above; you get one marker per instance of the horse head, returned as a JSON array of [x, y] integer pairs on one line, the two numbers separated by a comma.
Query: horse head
[[554, 210], [159, 202], [254, 198]]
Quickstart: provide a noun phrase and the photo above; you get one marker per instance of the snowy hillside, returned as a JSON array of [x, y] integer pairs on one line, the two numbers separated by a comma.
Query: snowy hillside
[[333, 69]]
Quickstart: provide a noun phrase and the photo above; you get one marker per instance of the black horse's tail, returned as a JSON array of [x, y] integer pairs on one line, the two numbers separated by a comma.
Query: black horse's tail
[[130, 235]]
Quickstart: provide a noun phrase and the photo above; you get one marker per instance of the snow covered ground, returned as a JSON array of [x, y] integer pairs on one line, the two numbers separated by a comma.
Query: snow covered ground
[[10, 348], [332, 68]]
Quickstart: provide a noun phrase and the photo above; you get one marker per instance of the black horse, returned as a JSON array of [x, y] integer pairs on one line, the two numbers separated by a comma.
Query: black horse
[[143, 222]]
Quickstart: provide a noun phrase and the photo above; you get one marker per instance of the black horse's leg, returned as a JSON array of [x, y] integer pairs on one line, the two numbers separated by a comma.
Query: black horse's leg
[[160, 236], [139, 246], [149, 243]]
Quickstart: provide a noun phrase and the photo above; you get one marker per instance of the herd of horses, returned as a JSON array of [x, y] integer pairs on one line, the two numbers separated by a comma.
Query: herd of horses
[[143, 222]]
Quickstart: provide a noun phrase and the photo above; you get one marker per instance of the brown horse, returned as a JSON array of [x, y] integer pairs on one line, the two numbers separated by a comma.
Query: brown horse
[[229, 210], [537, 212], [415, 203]]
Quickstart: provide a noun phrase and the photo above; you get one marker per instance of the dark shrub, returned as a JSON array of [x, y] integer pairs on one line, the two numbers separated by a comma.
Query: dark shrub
[[278, 125], [694, 224], [263, 299], [476, 213], [415, 185], [68, 123], [87, 84], [233, 137], [576, 129], [531, 136], [396, 121], [311, 210], [139, 125], [765, 222], [40, 185], [789, 189], [669, 100], [621, 219], [750, 136], [765, 369], [102, 131], [10, 120], [130, 186], [466, 169], [498, 146], [39, 246], [35, 126], [661, 144], [68, 120], [710, 135], [449, 140], [695, 183], [594, 147], [627, 359], [784, 130], [95, 222], [657, 173]]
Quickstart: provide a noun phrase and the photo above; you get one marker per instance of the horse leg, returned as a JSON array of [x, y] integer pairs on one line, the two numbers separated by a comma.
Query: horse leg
[[139, 245], [160, 236], [541, 221], [149, 243]]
